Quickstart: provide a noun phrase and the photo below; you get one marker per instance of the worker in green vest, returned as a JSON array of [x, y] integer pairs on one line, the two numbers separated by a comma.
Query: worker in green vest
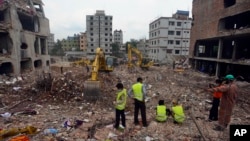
[[120, 103], [139, 94], [161, 111], [177, 112]]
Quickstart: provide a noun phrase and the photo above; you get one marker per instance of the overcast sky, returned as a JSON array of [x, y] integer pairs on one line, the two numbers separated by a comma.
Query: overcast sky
[[68, 17]]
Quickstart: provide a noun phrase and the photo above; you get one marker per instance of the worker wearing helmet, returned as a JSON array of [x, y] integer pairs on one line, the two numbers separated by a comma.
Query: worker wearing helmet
[[120, 104], [139, 92], [177, 112], [229, 95]]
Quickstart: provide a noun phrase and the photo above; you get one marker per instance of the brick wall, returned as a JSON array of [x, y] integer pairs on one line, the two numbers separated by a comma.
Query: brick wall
[[206, 15]]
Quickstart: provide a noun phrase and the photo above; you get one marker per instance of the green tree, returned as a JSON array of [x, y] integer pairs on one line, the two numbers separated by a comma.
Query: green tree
[[115, 49], [57, 50]]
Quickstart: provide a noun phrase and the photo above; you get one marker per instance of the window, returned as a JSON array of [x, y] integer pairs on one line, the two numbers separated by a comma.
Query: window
[[170, 32], [178, 23], [92, 50], [177, 42], [106, 39], [106, 34], [228, 3], [159, 32], [170, 42], [91, 34], [91, 39], [91, 18], [178, 33], [106, 29], [177, 51], [106, 23], [171, 23], [91, 45]]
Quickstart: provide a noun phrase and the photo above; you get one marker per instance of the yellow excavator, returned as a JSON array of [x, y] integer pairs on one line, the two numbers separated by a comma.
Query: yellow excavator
[[100, 64], [142, 62]]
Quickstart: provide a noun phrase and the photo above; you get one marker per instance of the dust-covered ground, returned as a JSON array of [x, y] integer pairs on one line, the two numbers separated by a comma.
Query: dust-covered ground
[[47, 100]]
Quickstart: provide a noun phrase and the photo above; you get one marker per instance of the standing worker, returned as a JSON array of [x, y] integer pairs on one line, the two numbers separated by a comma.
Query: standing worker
[[139, 94], [213, 115], [229, 95], [177, 112], [120, 104]]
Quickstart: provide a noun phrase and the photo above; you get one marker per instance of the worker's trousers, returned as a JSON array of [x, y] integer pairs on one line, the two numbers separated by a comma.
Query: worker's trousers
[[140, 105], [213, 115], [118, 114]]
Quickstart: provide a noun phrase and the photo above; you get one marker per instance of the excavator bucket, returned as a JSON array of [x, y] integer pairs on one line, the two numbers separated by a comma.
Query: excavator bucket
[[91, 90]]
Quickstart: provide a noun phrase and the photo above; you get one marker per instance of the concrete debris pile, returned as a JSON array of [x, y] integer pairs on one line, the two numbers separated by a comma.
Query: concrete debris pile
[[54, 105]]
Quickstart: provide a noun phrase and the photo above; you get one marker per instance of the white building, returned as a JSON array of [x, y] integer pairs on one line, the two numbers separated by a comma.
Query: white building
[[118, 37], [170, 35], [99, 33]]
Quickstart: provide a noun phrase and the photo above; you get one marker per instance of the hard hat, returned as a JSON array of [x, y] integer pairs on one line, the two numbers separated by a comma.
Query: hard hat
[[229, 77]]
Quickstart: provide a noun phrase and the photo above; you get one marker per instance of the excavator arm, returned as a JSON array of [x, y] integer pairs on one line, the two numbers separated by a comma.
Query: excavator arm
[[144, 63], [92, 85]]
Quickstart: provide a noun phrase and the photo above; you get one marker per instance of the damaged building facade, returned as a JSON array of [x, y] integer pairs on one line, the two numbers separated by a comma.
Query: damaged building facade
[[221, 37], [23, 37]]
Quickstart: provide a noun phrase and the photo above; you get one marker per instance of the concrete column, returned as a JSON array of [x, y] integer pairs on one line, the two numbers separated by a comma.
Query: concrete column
[[234, 51], [219, 53], [217, 71], [39, 46]]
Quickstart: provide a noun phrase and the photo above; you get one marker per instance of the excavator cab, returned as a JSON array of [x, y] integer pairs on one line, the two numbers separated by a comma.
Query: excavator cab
[[109, 63]]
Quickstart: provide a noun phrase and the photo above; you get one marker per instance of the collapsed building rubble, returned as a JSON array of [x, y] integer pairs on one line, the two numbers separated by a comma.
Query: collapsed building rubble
[[58, 97]]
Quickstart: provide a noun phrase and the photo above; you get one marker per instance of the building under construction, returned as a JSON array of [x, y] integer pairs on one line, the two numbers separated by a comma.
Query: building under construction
[[220, 37], [23, 37]]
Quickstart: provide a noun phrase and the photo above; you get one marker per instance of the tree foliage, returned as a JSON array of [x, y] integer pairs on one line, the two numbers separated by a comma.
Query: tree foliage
[[57, 49]]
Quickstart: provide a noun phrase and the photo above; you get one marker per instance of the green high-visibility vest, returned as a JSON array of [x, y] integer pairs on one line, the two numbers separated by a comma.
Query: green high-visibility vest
[[161, 114], [121, 99], [137, 90], [179, 115]]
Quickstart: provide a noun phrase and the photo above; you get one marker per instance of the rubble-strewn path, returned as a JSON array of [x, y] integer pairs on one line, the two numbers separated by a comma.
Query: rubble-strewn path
[[48, 100]]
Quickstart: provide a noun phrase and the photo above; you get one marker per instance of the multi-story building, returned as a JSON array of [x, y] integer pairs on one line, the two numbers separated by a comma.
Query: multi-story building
[[83, 42], [99, 33], [143, 46], [24, 32], [118, 37], [71, 43], [170, 35], [220, 37], [51, 42]]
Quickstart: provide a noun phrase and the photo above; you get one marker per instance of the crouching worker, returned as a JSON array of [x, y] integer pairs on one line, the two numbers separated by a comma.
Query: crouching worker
[[177, 112], [161, 112], [120, 103]]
